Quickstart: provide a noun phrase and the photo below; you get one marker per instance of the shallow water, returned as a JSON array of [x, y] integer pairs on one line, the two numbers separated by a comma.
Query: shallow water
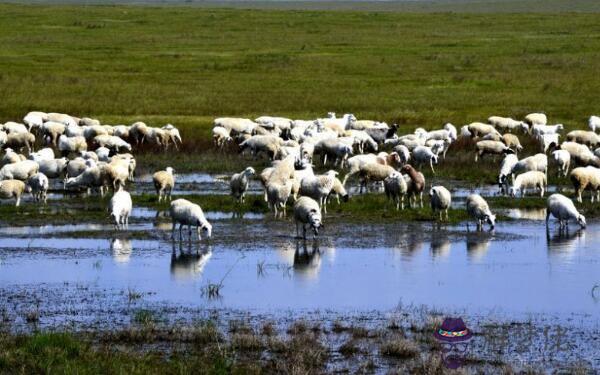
[[516, 271]]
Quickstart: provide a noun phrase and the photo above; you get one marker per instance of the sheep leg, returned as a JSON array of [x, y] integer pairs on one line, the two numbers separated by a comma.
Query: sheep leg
[[297, 230], [431, 165], [180, 231], [402, 202], [547, 217], [421, 199], [303, 230]]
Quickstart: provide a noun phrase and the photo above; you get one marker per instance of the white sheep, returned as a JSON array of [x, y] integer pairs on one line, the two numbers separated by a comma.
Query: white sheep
[[54, 168], [564, 210], [11, 157], [91, 178], [531, 179], [38, 185], [173, 134], [318, 187], [563, 161], [307, 211], [536, 118], [184, 212], [117, 172], [506, 123], [548, 141], [35, 119], [403, 153], [478, 209], [479, 129], [452, 130], [424, 154], [52, 130], [512, 141], [66, 145], [537, 162], [12, 189], [538, 129], [12, 127], [580, 154], [103, 154], [43, 154], [441, 199], [268, 144], [62, 118], [395, 188], [594, 123], [586, 178], [17, 141], [221, 136], [164, 182], [588, 138], [491, 147], [120, 208], [21, 170], [506, 168], [117, 144], [277, 196], [373, 172], [236, 125], [239, 183]]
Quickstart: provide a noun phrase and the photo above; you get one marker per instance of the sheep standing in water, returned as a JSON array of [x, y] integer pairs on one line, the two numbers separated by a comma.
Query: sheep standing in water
[[440, 200], [307, 211], [478, 209], [184, 212], [564, 210], [239, 183], [38, 185], [120, 208], [12, 189], [164, 181]]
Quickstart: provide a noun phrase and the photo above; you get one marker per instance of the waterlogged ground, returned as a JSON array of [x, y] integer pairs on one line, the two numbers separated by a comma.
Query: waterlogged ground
[[88, 275]]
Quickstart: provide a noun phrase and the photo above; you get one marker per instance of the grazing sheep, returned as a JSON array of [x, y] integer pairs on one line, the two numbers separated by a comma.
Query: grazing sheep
[[103, 154], [318, 187], [440, 200], [91, 178], [236, 125], [563, 161], [586, 178], [363, 140], [14, 128], [35, 120], [564, 210], [478, 209], [239, 183], [424, 154], [173, 134], [451, 130], [21, 170], [512, 141], [74, 131], [121, 131], [410, 141], [89, 155], [131, 164], [531, 179], [580, 154], [537, 162], [307, 211], [221, 137], [355, 163], [395, 189], [506, 123], [506, 168], [120, 208], [11, 157], [17, 141], [91, 132], [536, 118], [117, 172], [339, 191], [86, 121], [479, 129], [43, 154], [184, 212], [548, 141], [164, 182], [52, 130], [138, 132], [77, 166], [12, 189], [113, 143], [491, 147], [538, 130], [373, 172], [403, 153], [415, 183], [594, 123], [278, 195], [62, 118], [492, 137], [268, 144], [68, 145], [38, 185], [55, 168], [588, 138]]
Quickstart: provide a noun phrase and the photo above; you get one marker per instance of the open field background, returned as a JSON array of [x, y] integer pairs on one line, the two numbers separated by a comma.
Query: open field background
[[187, 65]]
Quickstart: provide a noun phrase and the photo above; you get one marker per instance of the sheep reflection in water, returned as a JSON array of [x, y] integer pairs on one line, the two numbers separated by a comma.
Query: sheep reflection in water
[[121, 249], [307, 262], [189, 263], [478, 244], [563, 241]]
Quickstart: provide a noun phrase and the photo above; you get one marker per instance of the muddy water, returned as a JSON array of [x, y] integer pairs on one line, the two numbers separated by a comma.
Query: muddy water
[[517, 271]]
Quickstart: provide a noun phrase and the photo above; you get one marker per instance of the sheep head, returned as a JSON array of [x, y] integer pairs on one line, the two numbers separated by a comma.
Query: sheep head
[[581, 221], [491, 220]]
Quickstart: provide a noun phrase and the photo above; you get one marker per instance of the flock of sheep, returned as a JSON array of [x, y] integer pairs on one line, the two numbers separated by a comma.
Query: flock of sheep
[[294, 146], [354, 147]]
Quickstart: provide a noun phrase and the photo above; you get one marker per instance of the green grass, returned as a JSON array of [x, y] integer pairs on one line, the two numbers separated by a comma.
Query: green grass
[[188, 65]]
